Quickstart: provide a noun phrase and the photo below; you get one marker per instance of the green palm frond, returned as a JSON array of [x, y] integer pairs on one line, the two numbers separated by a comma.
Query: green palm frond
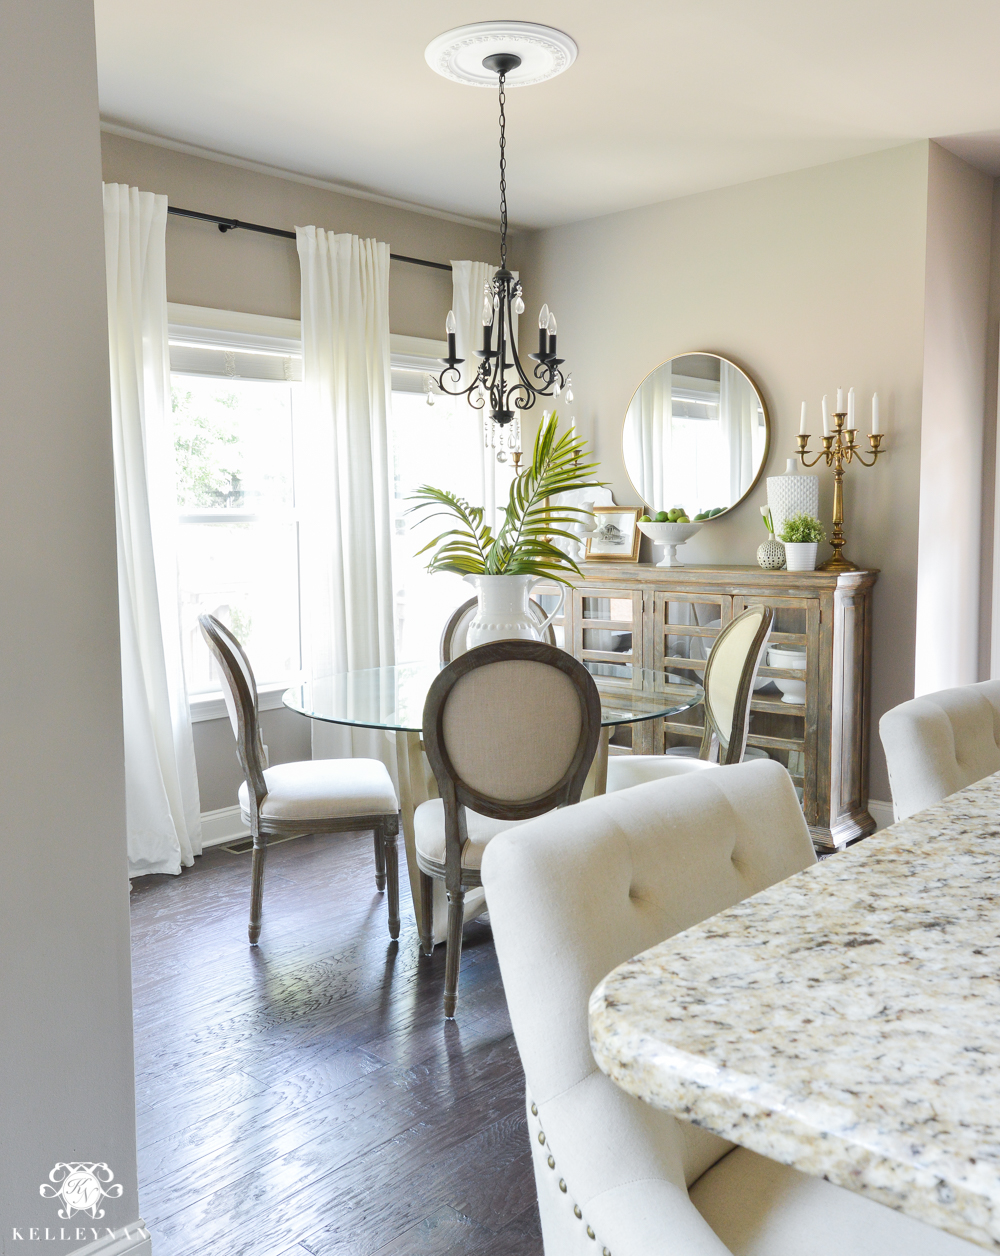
[[524, 545]]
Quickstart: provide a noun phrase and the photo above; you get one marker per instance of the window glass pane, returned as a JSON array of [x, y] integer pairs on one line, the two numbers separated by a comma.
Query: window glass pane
[[245, 574], [238, 533], [438, 445], [233, 443]]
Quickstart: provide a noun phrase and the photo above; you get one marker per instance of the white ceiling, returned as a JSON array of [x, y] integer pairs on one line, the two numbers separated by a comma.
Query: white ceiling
[[667, 97]]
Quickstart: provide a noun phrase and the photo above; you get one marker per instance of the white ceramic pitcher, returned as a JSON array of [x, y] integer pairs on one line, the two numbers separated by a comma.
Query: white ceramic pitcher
[[503, 613]]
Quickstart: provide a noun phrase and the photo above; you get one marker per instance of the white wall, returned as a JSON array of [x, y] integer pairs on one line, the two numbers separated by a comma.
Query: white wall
[[956, 316], [66, 1070], [810, 280]]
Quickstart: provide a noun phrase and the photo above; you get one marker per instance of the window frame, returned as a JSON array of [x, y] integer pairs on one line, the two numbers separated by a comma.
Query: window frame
[[234, 331]]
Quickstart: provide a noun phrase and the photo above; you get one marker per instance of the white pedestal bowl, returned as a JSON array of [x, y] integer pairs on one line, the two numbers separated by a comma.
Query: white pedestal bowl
[[669, 536]]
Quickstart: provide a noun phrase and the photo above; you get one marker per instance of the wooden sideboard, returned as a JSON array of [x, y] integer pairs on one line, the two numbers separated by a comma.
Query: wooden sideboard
[[636, 615]]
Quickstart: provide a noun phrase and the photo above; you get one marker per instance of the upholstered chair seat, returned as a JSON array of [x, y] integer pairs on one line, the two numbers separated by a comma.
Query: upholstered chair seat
[[572, 895], [940, 743], [730, 672], [311, 796], [324, 789], [429, 835]]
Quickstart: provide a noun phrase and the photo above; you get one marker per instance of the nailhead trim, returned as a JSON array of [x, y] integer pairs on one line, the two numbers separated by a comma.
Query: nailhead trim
[[551, 1162]]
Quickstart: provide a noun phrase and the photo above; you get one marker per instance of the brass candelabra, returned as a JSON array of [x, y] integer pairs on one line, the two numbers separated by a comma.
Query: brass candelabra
[[838, 450]]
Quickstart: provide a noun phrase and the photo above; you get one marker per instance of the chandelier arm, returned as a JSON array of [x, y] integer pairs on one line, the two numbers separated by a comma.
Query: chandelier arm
[[524, 381]]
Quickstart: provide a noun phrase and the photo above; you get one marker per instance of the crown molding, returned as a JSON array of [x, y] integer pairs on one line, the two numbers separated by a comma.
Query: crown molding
[[276, 172]]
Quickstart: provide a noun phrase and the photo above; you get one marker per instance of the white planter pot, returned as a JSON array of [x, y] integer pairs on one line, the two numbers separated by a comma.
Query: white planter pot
[[801, 556], [503, 613]]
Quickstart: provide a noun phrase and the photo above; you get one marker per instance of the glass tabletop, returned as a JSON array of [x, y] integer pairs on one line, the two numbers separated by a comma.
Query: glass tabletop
[[393, 697]]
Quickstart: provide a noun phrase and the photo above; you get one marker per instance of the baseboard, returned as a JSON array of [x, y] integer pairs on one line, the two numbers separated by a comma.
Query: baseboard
[[881, 813], [224, 825], [130, 1240]]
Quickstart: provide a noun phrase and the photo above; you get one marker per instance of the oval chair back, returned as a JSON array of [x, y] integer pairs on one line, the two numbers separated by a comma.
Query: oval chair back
[[240, 692], [510, 730], [454, 638], [729, 680]]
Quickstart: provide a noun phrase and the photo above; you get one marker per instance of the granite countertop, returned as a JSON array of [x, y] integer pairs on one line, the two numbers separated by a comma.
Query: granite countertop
[[845, 1021]]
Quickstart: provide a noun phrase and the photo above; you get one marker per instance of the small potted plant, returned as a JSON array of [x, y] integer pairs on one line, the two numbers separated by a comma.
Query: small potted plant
[[801, 535]]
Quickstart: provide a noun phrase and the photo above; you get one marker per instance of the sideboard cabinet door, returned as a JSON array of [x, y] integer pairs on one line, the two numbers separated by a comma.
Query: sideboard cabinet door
[[817, 725]]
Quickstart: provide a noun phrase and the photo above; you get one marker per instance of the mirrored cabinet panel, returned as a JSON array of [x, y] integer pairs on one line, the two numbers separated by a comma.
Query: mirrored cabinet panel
[[810, 707]]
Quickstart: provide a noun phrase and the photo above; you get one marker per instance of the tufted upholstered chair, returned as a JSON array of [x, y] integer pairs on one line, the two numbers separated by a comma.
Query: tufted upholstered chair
[[730, 673], [940, 743], [312, 796], [574, 894], [454, 638], [510, 730]]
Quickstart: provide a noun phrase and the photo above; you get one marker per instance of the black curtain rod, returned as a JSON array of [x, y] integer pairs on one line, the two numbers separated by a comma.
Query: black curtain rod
[[234, 224]]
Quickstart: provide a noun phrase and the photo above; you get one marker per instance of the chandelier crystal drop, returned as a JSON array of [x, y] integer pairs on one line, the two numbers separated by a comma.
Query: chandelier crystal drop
[[501, 379]]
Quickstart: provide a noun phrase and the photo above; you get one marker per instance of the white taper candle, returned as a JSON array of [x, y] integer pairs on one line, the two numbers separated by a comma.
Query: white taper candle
[[802, 421], [876, 424]]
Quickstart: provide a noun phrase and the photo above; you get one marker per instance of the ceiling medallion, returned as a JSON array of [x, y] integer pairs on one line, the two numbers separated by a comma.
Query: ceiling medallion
[[459, 54]]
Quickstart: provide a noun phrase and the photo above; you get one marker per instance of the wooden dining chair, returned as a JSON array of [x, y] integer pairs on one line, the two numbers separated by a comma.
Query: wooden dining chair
[[730, 673], [510, 731], [454, 638], [309, 796]]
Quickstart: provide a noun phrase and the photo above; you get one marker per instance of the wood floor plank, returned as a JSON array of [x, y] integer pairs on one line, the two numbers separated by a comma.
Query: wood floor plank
[[307, 1096]]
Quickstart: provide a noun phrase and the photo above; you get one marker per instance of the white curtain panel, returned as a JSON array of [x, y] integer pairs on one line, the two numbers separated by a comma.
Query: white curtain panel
[[651, 436], [161, 780], [343, 471], [468, 289], [739, 412]]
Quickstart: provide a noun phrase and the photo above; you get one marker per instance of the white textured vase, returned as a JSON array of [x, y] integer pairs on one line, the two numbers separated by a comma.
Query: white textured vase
[[503, 613], [792, 494]]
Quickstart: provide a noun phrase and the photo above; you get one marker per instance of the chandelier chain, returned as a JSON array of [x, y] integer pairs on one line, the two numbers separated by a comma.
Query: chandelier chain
[[503, 177]]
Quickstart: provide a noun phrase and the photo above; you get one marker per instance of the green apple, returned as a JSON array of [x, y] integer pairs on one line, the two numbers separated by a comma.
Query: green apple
[[661, 516], [645, 519]]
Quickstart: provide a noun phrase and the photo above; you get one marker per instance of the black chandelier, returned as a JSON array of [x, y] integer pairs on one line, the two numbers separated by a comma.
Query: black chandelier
[[502, 299]]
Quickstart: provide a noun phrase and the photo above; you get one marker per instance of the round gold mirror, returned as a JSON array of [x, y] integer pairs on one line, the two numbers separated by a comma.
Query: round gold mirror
[[696, 435]]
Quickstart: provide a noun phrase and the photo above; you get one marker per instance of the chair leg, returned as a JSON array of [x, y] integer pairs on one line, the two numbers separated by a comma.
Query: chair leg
[[390, 850], [379, 834], [257, 886], [425, 925], [453, 956]]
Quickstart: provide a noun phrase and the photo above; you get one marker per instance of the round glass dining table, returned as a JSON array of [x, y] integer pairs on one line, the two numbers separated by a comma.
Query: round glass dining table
[[392, 699]]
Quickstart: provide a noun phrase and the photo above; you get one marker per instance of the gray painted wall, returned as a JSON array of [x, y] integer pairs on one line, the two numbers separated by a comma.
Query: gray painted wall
[[810, 280], [66, 1064]]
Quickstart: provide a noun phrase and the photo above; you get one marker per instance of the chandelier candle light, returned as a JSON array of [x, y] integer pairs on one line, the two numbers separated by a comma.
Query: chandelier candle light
[[501, 376], [840, 447]]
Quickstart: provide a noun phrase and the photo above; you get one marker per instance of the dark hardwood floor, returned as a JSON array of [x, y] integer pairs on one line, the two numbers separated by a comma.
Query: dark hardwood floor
[[307, 1097]]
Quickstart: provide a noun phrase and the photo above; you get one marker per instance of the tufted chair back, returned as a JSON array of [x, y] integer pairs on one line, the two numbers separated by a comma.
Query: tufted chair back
[[572, 895], [938, 744]]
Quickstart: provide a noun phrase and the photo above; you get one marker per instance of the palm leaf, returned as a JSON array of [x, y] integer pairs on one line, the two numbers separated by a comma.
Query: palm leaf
[[523, 544]]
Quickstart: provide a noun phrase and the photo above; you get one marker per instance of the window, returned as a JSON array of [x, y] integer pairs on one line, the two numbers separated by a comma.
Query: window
[[235, 390], [234, 398], [437, 444]]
